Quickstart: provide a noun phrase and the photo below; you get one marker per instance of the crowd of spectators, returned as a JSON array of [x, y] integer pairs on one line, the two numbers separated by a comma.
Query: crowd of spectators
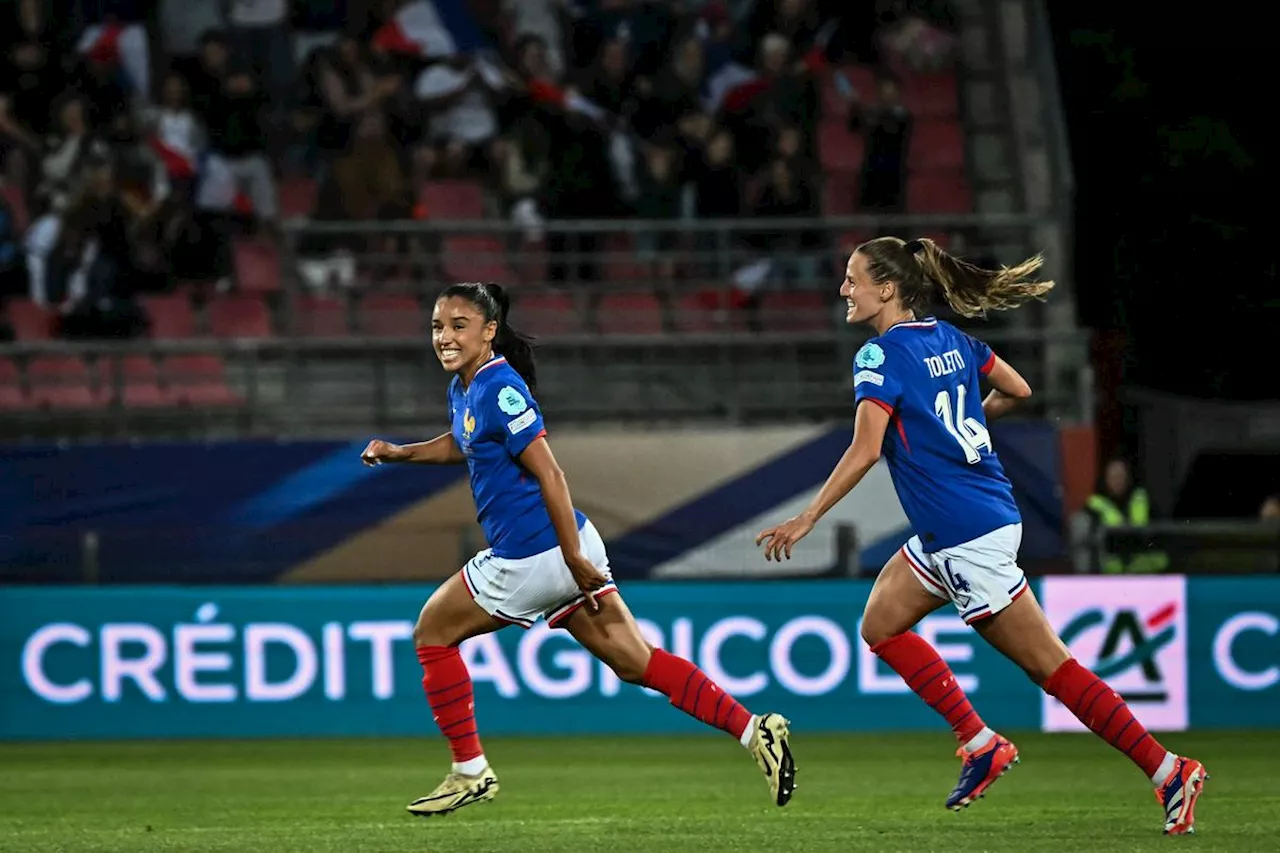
[[140, 137]]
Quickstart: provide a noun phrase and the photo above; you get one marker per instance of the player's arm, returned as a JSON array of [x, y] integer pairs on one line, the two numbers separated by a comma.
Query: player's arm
[[869, 427], [1008, 388], [539, 461], [441, 450]]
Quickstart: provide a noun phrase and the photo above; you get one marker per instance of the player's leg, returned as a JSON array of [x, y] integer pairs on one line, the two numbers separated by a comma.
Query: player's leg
[[450, 616], [1023, 634], [901, 597], [613, 637], [909, 588]]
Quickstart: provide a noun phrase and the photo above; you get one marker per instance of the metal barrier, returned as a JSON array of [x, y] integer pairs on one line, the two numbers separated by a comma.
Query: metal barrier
[[696, 330]]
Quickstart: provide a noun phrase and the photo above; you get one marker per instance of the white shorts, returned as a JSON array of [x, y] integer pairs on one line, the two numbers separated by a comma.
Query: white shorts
[[981, 577], [519, 591]]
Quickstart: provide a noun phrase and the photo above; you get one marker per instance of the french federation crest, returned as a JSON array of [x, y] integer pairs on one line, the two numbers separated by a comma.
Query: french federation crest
[[870, 356], [468, 424], [511, 401]]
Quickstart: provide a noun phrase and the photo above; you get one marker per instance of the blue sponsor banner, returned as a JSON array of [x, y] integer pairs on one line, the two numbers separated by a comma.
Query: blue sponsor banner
[[215, 662], [260, 662]]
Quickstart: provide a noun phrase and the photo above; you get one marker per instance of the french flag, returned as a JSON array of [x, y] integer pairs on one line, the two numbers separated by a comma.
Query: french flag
[[430, 30], [123, 45]]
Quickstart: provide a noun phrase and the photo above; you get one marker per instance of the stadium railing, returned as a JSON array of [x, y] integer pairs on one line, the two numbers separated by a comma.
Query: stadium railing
[[652, 347]]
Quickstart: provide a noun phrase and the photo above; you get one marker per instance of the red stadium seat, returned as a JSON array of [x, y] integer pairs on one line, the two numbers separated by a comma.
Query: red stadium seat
[[839, 149], [17, 204], [936, 144], [798, 311], [391, 315], [863, 79], [297, 197], [701, 313], [938, 192], [840, 194], [171, 316], [136, 381], [257, 264], [320, 317], [475, 258], [30, 321], [452, 200], [12, 396], [629, 314], [200, 380], [239, 316], [64, 382], [547, 314], [931, 95]]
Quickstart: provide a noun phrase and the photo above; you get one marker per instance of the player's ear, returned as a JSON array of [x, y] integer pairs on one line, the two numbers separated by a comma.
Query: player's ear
[[887, 292], [490, 331]]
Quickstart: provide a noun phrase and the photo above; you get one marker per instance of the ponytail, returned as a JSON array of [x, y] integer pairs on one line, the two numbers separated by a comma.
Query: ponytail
[[972, 291], [513, 345]]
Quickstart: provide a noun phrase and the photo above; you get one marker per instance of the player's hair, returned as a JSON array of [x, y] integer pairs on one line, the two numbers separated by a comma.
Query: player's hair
[[492, 301], [970, 290]]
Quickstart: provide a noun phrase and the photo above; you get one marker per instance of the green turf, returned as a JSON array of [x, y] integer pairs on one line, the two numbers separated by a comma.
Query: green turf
[[648, 795]]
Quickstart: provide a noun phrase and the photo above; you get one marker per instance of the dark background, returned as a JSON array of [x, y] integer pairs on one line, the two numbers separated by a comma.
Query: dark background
[[1169, 118]]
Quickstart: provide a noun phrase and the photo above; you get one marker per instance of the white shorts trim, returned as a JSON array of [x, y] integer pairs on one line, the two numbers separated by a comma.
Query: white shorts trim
[[980, 577], [524, 590]]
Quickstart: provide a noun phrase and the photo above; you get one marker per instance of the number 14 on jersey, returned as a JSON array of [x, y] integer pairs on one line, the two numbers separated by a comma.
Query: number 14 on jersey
[[969, 433]]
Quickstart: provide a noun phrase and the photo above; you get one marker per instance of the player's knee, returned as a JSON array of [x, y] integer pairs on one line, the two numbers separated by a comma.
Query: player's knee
[[1040, 667], [876, 630], [427, 632], [631, 665]]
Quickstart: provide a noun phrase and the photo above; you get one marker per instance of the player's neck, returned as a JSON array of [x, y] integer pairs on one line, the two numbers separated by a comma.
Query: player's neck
[[469, 372], [886, 320]]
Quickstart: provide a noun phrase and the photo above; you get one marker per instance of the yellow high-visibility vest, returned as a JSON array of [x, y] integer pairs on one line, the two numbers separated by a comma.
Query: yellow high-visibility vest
[[1138, 515]]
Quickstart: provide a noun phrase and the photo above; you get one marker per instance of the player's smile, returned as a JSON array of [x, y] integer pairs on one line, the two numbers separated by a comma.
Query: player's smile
[[460, 335]]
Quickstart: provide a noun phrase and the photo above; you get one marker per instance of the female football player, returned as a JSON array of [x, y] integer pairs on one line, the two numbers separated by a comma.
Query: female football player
[[545, 559], [915, 387]]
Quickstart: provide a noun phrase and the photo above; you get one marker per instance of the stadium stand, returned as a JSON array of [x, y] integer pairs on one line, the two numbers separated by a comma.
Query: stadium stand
[[195, 179]]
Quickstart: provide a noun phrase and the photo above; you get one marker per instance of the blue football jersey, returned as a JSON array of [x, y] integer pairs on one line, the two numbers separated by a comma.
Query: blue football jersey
[[495, 419], [925, 373]]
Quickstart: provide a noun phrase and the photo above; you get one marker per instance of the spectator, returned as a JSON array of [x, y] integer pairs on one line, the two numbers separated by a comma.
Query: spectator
[[526, 161], [65, 153], [182, 25], [792, 252], [1270, 509], [718, 195], [1118, 502], [260, 35], [32, 84], [659, 199], [236, 133], [676, 89], [462, 125], [887, 128]]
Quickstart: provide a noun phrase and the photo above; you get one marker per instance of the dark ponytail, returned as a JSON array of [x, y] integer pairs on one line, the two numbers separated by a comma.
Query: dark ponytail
[[513, 345]]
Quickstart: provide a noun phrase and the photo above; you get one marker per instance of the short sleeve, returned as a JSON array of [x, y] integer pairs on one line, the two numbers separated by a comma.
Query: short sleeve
[[982, 355], [513, 407], [878, 376]]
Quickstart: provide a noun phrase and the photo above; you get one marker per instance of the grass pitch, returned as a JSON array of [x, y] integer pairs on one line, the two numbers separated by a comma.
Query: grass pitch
[[614, 795]]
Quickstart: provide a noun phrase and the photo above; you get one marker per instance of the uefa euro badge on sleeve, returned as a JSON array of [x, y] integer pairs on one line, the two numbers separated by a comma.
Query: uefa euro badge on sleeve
[[870, 356], [511, 401]]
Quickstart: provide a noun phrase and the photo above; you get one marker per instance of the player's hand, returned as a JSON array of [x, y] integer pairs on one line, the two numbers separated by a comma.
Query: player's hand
[[778, 540], [588, 578], [380, 451]]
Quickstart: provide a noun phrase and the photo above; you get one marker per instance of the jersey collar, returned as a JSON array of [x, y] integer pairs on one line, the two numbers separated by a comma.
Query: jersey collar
[[926, 323]]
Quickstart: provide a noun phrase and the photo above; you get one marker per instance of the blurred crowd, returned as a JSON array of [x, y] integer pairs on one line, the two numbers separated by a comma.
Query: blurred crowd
[[140, 137]]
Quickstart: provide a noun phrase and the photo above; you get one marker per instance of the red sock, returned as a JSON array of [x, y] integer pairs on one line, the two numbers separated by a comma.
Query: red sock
[[1107, 715], [691, 691], [926, 673], [448, 686]]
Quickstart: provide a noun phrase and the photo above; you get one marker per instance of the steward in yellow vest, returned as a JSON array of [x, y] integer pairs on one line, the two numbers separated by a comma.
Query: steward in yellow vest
[[1137, 513]]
